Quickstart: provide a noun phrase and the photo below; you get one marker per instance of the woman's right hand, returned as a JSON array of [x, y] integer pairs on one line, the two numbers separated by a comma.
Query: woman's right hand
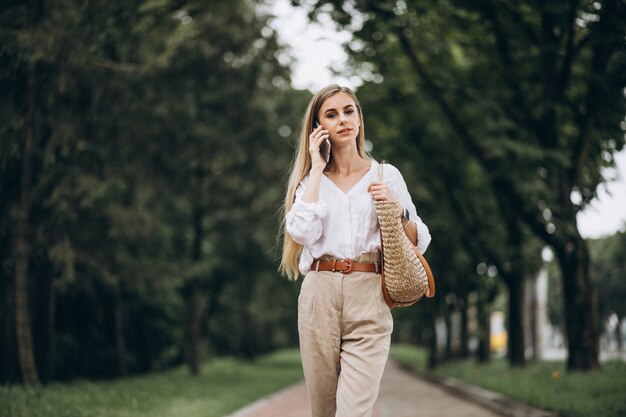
[[316, 138]]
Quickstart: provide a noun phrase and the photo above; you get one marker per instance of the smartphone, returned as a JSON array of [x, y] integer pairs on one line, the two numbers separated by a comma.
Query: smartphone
[[324, 146]]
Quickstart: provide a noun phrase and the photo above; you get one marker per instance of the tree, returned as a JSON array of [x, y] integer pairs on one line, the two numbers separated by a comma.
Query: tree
[[550, 109], [455, 202], [151, 174], [607, 261]]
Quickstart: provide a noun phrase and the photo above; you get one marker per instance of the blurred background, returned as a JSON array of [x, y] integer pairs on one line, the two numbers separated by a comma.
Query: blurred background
[[145, 147]]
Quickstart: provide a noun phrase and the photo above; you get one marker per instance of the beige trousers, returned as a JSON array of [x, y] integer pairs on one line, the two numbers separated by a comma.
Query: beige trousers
[[345, 331]]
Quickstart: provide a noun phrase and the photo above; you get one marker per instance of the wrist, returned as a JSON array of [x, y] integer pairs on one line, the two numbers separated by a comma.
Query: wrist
[[405, 217], [317, 170]]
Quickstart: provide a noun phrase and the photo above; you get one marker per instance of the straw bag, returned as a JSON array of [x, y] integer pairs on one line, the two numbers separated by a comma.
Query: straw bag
[[406, 276]]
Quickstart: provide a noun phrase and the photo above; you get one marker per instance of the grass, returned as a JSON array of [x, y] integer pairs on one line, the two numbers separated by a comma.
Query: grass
[[545, 384], [223, 386]]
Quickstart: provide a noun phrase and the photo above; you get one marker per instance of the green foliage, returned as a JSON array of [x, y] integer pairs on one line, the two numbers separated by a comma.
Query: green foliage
[[453, 194], [524, 98], [155, 169], [223, 386], [609, 269], [159, 136]]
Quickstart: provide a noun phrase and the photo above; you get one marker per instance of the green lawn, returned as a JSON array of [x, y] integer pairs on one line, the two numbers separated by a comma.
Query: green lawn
[[546, 384], [228, 384], [223, 386]]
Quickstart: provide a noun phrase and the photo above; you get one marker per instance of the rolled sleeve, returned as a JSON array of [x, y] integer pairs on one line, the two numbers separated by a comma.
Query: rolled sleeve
[[423, 236], [304, 221]]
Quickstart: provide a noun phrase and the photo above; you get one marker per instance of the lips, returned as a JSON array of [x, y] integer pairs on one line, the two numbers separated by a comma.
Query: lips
[[344, 130]]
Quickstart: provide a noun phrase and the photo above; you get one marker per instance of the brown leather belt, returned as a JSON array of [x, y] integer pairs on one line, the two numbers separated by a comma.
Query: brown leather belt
[[345, 266]]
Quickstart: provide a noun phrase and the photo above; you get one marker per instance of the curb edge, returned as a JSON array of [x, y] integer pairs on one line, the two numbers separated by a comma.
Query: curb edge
[[492, 400]]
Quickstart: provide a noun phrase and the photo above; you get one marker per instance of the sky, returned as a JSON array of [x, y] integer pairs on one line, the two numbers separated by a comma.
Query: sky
[[318, 48]]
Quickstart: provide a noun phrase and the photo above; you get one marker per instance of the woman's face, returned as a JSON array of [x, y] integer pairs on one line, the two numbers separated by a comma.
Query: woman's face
[[340, 116]]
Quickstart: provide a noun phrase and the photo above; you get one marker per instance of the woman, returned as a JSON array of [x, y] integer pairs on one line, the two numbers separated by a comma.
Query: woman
[[333, 239]]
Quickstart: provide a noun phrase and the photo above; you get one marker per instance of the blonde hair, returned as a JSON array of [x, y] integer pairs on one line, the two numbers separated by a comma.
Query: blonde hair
[[301, 166]]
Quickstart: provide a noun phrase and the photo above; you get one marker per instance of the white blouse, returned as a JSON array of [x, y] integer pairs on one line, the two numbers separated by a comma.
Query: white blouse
[[344, 225]]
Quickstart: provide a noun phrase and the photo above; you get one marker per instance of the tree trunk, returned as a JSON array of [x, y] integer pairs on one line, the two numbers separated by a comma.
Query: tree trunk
[[464, 352], [49, 353], [433, 359], [195, 296], [448, 321], [515, 339], [195, 335], [541, 301], [22, 316], [120, 339], [484, 324], [9, 371], [533, 331], [579, 304], [618, 334]]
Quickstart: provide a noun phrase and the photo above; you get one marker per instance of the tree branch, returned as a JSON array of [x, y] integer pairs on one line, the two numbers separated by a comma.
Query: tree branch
[[510, 74], [570, 51], [601, 54], [526, 28], [531, 216], [439, 97], [125, 67]]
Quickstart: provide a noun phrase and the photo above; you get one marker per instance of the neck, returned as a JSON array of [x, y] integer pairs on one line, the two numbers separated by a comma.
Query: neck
[[346, 160]]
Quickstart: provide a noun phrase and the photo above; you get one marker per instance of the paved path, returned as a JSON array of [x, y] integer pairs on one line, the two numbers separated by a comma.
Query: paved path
[[401, 395], [405, 395], [290, 402]]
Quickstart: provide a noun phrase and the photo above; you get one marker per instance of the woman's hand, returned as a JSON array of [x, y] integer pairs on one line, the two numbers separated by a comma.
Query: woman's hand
[[315, 140], [380, 192]]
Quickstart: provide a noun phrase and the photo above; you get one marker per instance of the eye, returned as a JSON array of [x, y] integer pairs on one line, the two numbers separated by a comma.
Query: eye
[[330, 115], [349, 111]]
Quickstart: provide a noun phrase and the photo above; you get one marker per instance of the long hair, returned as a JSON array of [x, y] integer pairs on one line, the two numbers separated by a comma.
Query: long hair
[[301, 166]]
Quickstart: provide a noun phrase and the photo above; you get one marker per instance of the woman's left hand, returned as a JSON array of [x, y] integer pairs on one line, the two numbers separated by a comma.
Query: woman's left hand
[[380, 192]]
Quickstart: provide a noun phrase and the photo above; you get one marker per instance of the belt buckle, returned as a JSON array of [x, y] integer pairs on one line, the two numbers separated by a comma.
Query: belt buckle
[[350, 263]]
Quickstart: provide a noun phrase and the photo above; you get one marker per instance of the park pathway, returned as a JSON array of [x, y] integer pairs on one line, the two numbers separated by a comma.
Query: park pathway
[[402, 394]]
